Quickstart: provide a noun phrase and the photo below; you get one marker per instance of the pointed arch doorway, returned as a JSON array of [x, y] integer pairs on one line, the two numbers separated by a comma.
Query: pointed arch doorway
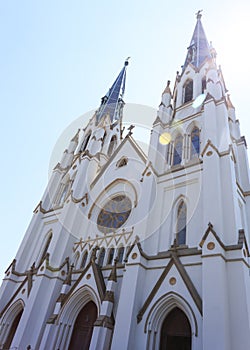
[[12, 331], [83, 327], [176, 331]]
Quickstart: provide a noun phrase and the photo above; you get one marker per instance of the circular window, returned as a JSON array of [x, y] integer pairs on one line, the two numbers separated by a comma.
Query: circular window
[[114, 213]]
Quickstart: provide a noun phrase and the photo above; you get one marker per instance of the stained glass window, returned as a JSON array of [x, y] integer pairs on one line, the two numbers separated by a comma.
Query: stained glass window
[[112, 145], [114, 213], [111, 256], [178, 150], [188, 91], [203, 85], [195, 142], [84, 260], [120, 254], [181, 223], [101, 257]]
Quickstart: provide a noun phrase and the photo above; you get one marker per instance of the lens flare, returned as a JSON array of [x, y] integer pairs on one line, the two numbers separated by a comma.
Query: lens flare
[[165, 138], [199, 100]]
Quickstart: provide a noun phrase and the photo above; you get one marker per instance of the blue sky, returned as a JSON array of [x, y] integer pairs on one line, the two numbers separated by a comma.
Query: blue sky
[[58, 58]]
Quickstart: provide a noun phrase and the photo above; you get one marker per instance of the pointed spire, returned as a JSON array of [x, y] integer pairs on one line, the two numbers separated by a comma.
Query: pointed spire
[[199, 49], [113, 101], [76, 137], [229, 102], [113, 273]]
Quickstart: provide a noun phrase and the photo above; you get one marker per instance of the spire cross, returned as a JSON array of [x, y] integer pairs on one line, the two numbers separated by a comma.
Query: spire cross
[[198, 14]]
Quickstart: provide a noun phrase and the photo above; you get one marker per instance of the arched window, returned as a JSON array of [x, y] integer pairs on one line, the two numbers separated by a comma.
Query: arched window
[[181, 223], [83, 327], [176, 331], [85, 142], [177, 150], [203, 85], [45, 248], [195, 142], [188, 91], [101, 257], [8, 341], [111, 256], [76, 258], [120, 254], [112, 145], [84, 260], [65, 192]]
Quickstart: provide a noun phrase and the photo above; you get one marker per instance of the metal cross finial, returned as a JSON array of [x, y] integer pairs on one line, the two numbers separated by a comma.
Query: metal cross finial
[[126, 61], [198, 14]]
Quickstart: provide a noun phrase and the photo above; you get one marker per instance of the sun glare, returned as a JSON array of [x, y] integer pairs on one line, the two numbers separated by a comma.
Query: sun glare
[[165, 138]]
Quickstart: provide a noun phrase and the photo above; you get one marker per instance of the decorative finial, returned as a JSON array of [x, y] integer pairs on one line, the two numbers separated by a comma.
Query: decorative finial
[[130, 130], [198, 14], [113, 273], [76, 137], [229, 102], [93, 254], [126, 61], [167, 89]]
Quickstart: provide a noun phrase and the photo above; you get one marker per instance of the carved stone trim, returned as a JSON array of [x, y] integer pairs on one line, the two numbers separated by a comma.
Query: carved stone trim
[[187, 280], [104, 321], [109, 296], [52, 319]]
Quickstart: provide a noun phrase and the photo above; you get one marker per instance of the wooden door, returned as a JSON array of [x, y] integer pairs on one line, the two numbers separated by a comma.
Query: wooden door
[[83, 327], [176, 331]]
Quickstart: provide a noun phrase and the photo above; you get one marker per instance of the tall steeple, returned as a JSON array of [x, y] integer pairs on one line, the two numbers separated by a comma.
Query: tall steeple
[[112, 102], [198, 50]]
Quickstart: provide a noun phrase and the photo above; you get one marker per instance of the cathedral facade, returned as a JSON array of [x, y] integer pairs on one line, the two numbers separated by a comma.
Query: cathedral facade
[[131, 251]]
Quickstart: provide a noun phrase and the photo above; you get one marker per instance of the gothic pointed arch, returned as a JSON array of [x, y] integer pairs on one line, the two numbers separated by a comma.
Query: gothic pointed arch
[[10, 322], [179, 220], [120, 254], [110, 256], [188, 90], [117, 187], [84, 259], [101, 257], [203, 84], [195, 142], [181, 310], [112, 145], [63, 190], [69, 313], [83, 327], [181, 223], [176, 331], [178, 146]]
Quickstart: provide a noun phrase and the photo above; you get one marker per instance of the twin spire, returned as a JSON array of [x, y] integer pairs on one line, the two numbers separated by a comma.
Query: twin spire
[[112, 102], [199, 49]]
